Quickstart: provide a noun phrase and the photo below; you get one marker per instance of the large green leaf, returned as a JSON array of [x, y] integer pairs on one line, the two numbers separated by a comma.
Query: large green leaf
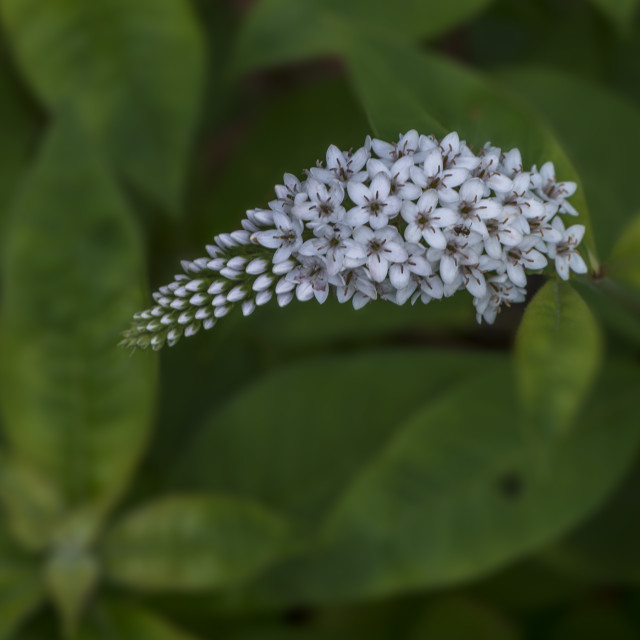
[[32, 506], [295, 438], [605, 156], [593, 622], [129, 622], [457, 492], [20, 588], [279, 31], [557, 350], [133, 69], [403, 88], [193, 543], [75, 405], [19, 125]]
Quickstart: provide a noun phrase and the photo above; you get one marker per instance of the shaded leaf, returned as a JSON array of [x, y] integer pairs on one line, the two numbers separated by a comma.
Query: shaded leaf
[[457, 618], [76, 407], [132, 69], [32, 505], [294, 439], [557, 351], [605, 157], [456, 493], [417, 89], [129, 622], [620, 12], [21, 590], [193, 543], [624, 264], [594, 622], [278, 31]]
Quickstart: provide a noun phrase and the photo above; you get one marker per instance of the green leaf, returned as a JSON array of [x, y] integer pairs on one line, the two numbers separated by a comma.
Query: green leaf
[[129, 622], [402, 88], [456, 493], [193, 543], [605, 158], [76, 406], [458, 618], [70, 574], [279, 31], [624, 264], [620, 12], [295, 438], [19, 126], [557, 351], [132, 69], [605, 548], [32, 505], [21, 590]]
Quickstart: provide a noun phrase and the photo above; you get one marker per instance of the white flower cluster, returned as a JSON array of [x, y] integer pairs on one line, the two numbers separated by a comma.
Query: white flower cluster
[[417, 219]]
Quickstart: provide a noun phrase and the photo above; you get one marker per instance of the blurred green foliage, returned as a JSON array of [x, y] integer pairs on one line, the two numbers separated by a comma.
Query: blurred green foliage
[[310, 472]]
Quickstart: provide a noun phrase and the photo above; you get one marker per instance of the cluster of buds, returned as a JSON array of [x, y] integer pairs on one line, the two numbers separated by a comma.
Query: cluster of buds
[[414, 220]]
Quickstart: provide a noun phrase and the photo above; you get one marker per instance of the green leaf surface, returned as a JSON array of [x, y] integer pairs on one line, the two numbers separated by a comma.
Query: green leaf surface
[[193, 542], [21, 590], [132, 69], [458, 618], [457, 493], [624, 264], [19, 126], [122, 621], [604, 157], [557, 352], [76, 406], [70, 574], [620, 12], [279, 31], [605, 548], [295, 438], [403, 88], [32, 506]]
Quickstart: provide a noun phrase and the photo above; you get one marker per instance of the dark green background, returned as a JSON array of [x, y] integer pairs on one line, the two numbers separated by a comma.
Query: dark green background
[[310, 472]]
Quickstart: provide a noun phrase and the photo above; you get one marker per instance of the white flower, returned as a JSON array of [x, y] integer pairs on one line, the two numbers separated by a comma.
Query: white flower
[[415, 263], [391, 151], [374, 204], [285, 238], [343, 166], [432, 175], [333, 243], [550, 189], [565, 251], [473, 208], [455, 254], [382, 247], [311, 278], [425, 220], [324, 204], [520, 258], [398, 174]]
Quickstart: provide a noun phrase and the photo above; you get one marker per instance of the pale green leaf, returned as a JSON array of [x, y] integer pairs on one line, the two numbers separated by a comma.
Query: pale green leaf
[[557, 351], [279, 31], [133, 69], [76, 406], [193, 542], [21, 589], [32, 505], [70, 574]]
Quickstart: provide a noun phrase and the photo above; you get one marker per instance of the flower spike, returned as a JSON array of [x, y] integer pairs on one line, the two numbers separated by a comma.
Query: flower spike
[[418, 220]]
